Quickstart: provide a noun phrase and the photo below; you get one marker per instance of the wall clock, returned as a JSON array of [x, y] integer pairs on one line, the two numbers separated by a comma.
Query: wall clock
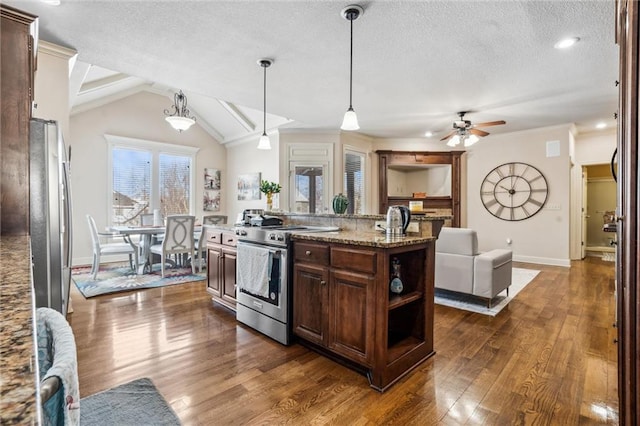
[[514, 191]]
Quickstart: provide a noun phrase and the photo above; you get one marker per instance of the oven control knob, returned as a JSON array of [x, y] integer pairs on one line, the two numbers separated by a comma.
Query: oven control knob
[[280, 237], [272, 237], [241, 232]]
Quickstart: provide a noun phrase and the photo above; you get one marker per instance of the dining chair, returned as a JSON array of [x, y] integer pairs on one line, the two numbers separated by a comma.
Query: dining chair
[[102, 249], [178, 240], [214, 219], [201, 243], [146, 219]]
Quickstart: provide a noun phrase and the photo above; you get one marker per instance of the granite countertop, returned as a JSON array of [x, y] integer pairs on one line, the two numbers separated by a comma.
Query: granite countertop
[[17, 345], [225, 227], [370, 239], [417, 217]]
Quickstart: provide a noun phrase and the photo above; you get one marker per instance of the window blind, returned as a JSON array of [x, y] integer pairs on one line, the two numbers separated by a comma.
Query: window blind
[[354, 182], [131, 184]]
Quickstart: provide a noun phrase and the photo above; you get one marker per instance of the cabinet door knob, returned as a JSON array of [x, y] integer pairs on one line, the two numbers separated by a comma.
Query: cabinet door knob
[[308, 252], [323, 282]]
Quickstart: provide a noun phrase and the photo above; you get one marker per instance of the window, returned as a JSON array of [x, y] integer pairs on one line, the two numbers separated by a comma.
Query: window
[[145, 176], [354, 169], [308, 189], [310, 180]]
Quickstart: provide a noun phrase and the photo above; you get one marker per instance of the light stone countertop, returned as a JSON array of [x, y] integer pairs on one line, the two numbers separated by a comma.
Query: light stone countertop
[[17, 345]]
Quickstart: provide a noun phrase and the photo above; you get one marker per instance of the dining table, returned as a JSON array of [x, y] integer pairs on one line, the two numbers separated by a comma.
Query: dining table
[[147, 235]]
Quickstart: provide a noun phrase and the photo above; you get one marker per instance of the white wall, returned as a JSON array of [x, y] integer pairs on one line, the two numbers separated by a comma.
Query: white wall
[[543, 238], [244, 158], [595, 147], [139, 116], [51, 100]]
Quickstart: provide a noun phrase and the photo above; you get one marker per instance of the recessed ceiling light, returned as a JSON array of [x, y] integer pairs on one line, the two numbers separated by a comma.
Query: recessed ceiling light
[[428, 134], [601, 125], [567, 42], [51, 2]]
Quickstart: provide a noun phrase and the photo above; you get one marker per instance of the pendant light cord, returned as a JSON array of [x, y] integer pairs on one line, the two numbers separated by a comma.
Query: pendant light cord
[[351, 67], [264, 105]]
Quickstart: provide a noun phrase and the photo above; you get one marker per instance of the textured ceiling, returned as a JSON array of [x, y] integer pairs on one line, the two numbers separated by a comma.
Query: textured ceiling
[[416, 63]]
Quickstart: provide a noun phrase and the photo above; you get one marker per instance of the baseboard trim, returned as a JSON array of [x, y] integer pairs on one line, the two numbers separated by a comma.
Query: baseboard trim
[[543, 261]]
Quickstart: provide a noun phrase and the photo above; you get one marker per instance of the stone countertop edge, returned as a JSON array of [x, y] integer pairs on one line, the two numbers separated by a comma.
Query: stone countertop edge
[[417, 217], [17, 341], [369, 239]]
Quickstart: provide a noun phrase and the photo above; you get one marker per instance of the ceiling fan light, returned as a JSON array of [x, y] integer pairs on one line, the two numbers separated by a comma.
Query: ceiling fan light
[[180, 123], [264, 142], [455, 140], [470, 140], [350, 121]]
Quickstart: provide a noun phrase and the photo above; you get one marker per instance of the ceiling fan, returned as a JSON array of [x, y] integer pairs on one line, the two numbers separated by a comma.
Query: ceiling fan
[[467, 132]]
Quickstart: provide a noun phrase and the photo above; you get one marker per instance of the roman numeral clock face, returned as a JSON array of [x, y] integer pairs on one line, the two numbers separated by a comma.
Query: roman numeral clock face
[[514, 191]]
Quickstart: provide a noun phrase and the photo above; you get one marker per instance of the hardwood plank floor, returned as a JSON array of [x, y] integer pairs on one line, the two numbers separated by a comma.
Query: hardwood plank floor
[[547, 359]]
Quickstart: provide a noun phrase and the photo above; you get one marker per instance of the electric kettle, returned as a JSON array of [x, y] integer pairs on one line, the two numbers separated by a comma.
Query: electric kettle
[[398, 218]]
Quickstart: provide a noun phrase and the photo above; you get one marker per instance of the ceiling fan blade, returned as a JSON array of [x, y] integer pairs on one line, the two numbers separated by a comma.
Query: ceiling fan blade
[[490, 123], [451, 133], [478, 132]]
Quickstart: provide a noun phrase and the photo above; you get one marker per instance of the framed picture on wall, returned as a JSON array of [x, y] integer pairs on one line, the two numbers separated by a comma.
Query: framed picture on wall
[[249, 186], [211, 201], [211, 179]]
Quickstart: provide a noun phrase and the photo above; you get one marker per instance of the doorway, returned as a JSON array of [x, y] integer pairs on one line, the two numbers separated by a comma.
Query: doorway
[[600, 206]]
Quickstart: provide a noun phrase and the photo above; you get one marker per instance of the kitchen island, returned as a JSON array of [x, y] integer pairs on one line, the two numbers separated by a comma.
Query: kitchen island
[[343, 306]]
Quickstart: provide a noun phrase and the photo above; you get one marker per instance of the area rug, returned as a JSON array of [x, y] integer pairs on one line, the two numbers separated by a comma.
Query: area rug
[[520, 278], [134, 403], [115, 278]]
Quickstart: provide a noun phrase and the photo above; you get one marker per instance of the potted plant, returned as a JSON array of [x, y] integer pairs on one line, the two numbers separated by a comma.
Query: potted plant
[[269, 188]]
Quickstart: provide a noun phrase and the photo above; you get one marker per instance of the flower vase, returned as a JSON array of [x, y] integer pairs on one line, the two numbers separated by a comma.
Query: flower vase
[[269, 201]]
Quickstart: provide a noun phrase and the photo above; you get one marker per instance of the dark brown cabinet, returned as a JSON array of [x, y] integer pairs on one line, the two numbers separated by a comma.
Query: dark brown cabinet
[[628, 191], [221, 267], [310, 292], [17, 38], [343, 306], [413, 168]]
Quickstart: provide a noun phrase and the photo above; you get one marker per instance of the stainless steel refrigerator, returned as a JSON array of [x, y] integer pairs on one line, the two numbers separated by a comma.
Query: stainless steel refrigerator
[[50, 209]]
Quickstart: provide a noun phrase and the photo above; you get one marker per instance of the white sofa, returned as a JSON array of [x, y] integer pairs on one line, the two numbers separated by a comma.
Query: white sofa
[[461, 268]]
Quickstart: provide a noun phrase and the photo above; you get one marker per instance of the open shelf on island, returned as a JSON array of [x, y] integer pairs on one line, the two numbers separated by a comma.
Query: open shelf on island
[[398, 300], [401, 345]]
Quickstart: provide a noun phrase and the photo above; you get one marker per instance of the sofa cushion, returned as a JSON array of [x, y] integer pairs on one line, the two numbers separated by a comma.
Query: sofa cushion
[[462, 241]]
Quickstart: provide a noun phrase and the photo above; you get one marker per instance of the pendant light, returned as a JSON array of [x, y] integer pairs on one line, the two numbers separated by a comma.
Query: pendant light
[[178, 117], [350, 122], [264, 142]]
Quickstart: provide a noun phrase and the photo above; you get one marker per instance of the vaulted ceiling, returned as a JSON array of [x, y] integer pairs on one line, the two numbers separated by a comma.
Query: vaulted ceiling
[[416, 63]]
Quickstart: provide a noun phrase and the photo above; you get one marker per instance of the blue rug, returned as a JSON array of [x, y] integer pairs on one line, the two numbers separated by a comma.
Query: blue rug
[[134, 403], [116, 278]]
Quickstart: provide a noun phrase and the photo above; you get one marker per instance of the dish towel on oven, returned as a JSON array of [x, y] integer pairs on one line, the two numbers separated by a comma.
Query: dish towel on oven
[[254, 269]]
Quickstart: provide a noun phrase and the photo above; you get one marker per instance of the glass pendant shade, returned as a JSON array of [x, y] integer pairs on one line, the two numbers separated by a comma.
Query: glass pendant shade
[[455, 140], [350, 121], [180, 123], [264, 142], [470, 140]]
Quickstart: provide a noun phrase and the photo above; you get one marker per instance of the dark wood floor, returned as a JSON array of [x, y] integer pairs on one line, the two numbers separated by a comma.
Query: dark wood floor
[[547, 359]]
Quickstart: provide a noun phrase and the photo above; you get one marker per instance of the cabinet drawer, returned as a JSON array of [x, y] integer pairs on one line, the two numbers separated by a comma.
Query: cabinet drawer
[[229, 239], [354, 260], [214, 237], [311, 253]]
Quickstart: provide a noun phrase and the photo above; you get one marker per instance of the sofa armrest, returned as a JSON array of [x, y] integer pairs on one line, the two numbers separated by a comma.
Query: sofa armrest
[[492, 272]]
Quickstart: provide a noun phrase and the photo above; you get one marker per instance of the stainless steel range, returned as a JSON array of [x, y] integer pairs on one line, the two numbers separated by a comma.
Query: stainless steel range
[[264, 272]]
